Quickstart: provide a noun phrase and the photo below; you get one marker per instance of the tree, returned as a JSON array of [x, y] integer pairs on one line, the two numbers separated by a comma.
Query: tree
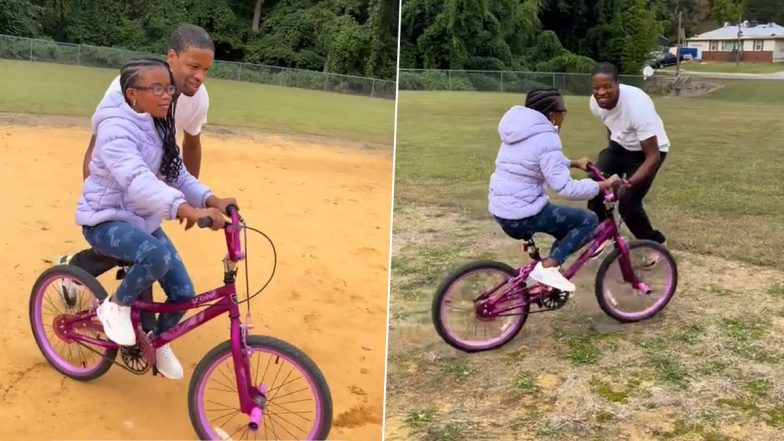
[[257, 15], [20, 18], [642, 32], [728, 10], [766, 11]]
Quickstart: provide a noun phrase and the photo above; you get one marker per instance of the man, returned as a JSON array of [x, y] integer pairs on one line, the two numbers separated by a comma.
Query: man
[[637, 146], [191, 54]]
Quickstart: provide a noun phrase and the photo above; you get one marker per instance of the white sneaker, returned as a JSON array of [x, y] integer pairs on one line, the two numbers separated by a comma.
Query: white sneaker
[[222, 434], [167, 363], [116, 321], [552, 277]]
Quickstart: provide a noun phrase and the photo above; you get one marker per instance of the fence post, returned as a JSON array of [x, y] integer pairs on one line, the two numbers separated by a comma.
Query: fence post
[[449, 81], [554, 80], [326, 82], [79, 55], [31, 49], [373, 88], [239, 73], [502, 82]]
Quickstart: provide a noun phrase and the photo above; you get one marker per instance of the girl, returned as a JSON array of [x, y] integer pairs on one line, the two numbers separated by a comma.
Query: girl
[[530, 157], [137, 179]]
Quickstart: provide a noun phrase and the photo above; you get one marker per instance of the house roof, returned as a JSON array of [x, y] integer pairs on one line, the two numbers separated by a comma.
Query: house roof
[[749, 31]]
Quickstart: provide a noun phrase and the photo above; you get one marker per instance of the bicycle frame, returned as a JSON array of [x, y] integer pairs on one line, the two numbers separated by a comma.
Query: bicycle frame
[[225, 300], [607, 230]]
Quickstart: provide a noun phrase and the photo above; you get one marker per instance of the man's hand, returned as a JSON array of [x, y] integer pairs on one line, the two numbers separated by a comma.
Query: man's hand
[[581, 163], [611, 182], [88, 156]]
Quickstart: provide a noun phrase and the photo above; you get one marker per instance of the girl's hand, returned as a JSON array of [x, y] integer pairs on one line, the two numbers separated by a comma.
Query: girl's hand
[[221, 203], [581, 163], [611, 182], [218, 221], [192, 215]]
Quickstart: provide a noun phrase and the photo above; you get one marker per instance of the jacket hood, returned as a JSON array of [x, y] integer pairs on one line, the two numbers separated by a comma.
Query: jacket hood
[[113, 106], [520, 123]]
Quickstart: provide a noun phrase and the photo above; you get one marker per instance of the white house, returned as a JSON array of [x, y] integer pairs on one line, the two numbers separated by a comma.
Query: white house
[[761, 43]]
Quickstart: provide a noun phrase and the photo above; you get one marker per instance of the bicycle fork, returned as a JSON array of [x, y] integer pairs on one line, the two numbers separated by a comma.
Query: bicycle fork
[[627, 270], [252, 398]]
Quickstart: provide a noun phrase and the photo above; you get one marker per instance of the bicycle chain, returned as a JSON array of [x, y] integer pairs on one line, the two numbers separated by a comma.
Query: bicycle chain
[[122, 365]]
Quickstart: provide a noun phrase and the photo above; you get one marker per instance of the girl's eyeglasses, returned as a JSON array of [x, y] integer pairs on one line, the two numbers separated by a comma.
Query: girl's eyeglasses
[[158, 90]]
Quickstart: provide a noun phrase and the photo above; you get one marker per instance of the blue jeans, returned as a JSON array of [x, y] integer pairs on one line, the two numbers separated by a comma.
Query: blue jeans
[[152, 257], [571, 227]]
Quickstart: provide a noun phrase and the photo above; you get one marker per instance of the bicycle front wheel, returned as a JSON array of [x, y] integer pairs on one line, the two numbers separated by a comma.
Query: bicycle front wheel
[[298, 402], [653, 265]]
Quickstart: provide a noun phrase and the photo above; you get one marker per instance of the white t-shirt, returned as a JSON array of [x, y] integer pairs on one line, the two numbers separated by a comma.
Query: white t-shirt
[[191, 112], [633, 120]]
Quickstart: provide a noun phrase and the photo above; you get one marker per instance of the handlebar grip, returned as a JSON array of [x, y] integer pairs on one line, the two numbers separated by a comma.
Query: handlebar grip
[[231, 207], [204, 222]]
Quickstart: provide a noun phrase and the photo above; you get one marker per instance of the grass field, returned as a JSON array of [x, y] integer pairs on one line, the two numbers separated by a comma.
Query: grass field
[[707, 368], [75, 90], [761, 68]]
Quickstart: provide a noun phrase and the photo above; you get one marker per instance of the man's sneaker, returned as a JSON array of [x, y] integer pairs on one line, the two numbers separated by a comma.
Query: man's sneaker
[[116, 321], [68, 292], [653, 257], [552, 277], [62, 260], [167, 364]]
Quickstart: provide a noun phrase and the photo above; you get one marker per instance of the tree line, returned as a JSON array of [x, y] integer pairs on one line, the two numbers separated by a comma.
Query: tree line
[[557, 35], [354, 37]]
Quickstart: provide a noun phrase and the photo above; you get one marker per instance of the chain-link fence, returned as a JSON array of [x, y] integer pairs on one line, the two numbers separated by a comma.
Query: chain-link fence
[[518, 82], [29, 49]]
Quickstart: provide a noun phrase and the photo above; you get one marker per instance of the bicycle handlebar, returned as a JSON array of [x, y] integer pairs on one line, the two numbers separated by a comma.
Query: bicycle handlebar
[[609, 194], [232, 230]]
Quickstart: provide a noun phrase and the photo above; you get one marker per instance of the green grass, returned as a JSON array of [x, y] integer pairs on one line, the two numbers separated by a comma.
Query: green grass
[[421, 418], [525, 382], [721, 178], [44, 88], [756, 68]]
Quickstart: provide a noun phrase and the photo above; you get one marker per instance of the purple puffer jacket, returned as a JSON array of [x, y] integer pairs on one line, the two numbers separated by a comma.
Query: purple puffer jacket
[[124, 182], [530, 157]]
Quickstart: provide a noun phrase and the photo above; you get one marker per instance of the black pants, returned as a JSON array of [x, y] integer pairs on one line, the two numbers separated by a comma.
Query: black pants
[[96, 264], [617, 160]]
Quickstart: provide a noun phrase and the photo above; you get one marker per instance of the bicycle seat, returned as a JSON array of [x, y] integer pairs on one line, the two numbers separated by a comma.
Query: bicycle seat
[[103, 258]]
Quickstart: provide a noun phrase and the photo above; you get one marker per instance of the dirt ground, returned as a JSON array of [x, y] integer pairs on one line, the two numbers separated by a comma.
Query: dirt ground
[[325, 205], [708, 367]]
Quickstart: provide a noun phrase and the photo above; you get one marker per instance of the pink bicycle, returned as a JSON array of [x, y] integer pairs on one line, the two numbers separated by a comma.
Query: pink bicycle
[[249, 386], [484, 304]]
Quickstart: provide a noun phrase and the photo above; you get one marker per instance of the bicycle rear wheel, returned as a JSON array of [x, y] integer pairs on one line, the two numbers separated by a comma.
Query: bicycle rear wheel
[[298, 401], [60, 293], [457, 307], [653, 265]]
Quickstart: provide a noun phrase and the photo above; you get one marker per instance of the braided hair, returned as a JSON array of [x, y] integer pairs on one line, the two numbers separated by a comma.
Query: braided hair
[[171, 161], [544, 100]]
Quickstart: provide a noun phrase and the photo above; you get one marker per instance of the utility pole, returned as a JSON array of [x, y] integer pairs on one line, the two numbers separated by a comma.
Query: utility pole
[[680, 44], [739, 46]]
